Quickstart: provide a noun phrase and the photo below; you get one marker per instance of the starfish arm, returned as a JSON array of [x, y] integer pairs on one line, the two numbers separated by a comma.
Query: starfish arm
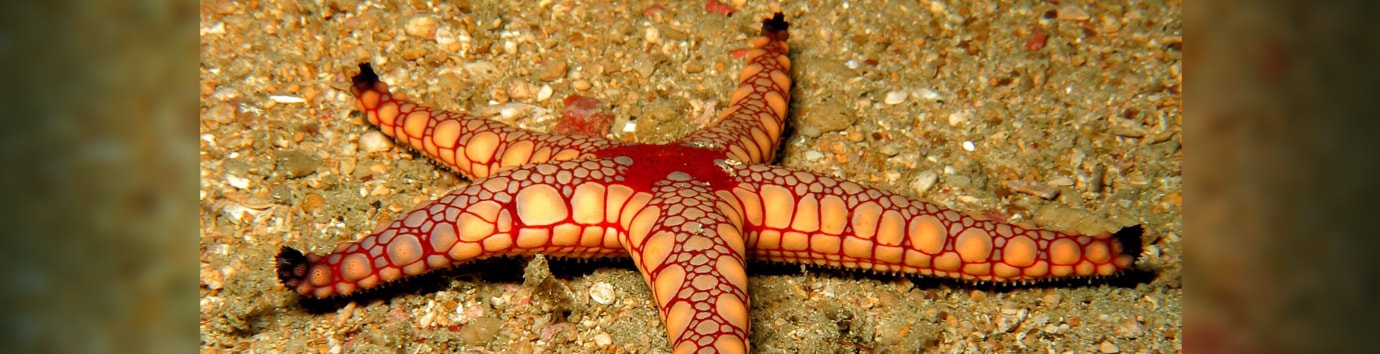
[[565, 209], [749, 129], [472, 146], [801, 217], [691, 253]]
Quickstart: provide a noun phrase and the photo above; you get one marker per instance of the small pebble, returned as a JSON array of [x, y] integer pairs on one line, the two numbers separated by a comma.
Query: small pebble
[[601, 293], [480, 331], [513, 110], [645, 66], [1130, 328], [475, 311], [237, 181], [957, 118], [1052, 300], [891, 177], [225, 94], [603, 339], [896, 97], [221, 113], [1037, 189], [481, 70], [519, 90], [1060, 181], [218, 28], [349, 149], [239, 212], [581, 85], [544, 93], [694, 68], [937, 7], [1009, 319], [813, 155], [550, 331], [1109, 24], [924, 181], [296, 163], [1108, 347], [422, 26], [968, 145], [652, 35], [426, 320], [211, 279], [926, 94], [374, 141], [286, 99], [1151, 252], [552, 69], [311, 202], [447, 38], [1071, 12]]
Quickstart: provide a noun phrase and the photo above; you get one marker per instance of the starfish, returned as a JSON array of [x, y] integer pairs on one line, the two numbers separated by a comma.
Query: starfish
[[690, 213]]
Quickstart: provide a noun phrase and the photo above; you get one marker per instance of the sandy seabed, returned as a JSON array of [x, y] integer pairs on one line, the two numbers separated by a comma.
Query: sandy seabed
[[960, 104]]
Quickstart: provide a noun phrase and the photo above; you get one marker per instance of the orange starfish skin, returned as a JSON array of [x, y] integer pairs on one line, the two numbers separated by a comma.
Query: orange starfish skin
[[801, 217], [690, 213], [749, 129], [475, 147]]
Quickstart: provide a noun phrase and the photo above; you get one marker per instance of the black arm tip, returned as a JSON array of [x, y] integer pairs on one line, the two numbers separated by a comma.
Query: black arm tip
[[292, 266], [1130, 239], [366, 78], [775, 27]]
